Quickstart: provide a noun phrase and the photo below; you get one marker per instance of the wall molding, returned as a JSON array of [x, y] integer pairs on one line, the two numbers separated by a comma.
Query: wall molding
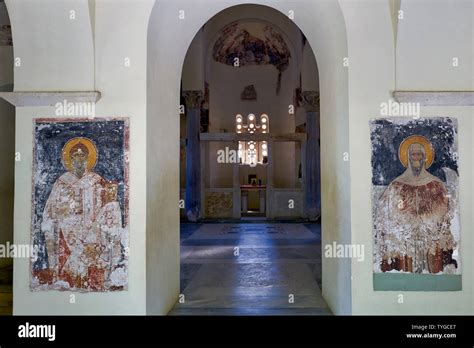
[[21, 99], [300, 137], [436, 98]]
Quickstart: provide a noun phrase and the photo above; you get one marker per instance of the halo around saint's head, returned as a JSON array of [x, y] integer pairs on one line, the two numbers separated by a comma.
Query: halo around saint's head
[[416, 139], [79, 142]]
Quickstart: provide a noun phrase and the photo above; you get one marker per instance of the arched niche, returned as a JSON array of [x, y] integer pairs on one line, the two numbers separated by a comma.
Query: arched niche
[[323, 25]]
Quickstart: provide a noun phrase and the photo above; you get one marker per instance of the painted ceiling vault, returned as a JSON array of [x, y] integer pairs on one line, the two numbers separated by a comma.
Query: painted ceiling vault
[[252, 43]]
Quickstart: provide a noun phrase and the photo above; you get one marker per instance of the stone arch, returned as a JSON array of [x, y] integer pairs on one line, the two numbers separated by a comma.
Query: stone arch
[[197, 74], [323, 25]]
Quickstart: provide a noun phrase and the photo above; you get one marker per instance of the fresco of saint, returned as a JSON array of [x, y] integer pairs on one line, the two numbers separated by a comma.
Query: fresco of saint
[[413, 216], [82, 225]]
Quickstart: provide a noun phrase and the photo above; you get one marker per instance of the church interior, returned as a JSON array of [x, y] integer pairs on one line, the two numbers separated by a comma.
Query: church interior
[[226, 158], [249, 174]]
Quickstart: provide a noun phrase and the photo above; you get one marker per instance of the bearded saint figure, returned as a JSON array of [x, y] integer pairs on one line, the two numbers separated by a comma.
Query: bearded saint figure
[[413, 216], [82, 225]]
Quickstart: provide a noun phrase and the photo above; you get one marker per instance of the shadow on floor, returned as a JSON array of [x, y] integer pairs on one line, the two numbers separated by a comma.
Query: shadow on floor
[[251, 269]]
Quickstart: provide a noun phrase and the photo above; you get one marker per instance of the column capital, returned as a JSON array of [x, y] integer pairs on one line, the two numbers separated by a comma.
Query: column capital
[[193, 99], [310, 100]]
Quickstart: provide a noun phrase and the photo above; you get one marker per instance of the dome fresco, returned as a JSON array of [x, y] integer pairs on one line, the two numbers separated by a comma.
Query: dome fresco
[[253, 43]]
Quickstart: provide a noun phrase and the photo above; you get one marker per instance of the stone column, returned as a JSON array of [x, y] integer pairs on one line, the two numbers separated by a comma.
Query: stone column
[[193, 156], [269, 192], [312, 189], [204, 169], [237, 193], [244, 200], [262, 194]]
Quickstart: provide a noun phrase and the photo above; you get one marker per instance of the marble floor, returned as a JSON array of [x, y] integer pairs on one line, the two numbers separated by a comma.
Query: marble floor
[[251, 269]]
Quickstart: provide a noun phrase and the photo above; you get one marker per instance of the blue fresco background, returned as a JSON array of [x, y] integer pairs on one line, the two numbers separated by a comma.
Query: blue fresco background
[[50, 138], [386, 137]]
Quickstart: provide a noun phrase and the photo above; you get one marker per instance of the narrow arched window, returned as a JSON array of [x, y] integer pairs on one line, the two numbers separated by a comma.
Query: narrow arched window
[[252, 152]]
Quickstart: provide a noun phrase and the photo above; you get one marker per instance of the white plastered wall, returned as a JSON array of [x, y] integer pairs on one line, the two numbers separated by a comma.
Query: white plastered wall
[[55, 51], [429, 35], [58, 55]]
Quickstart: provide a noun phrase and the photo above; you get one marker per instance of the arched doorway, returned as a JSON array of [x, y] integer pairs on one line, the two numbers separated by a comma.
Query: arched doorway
[[250, 173], [7, 158], [328, 40]]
